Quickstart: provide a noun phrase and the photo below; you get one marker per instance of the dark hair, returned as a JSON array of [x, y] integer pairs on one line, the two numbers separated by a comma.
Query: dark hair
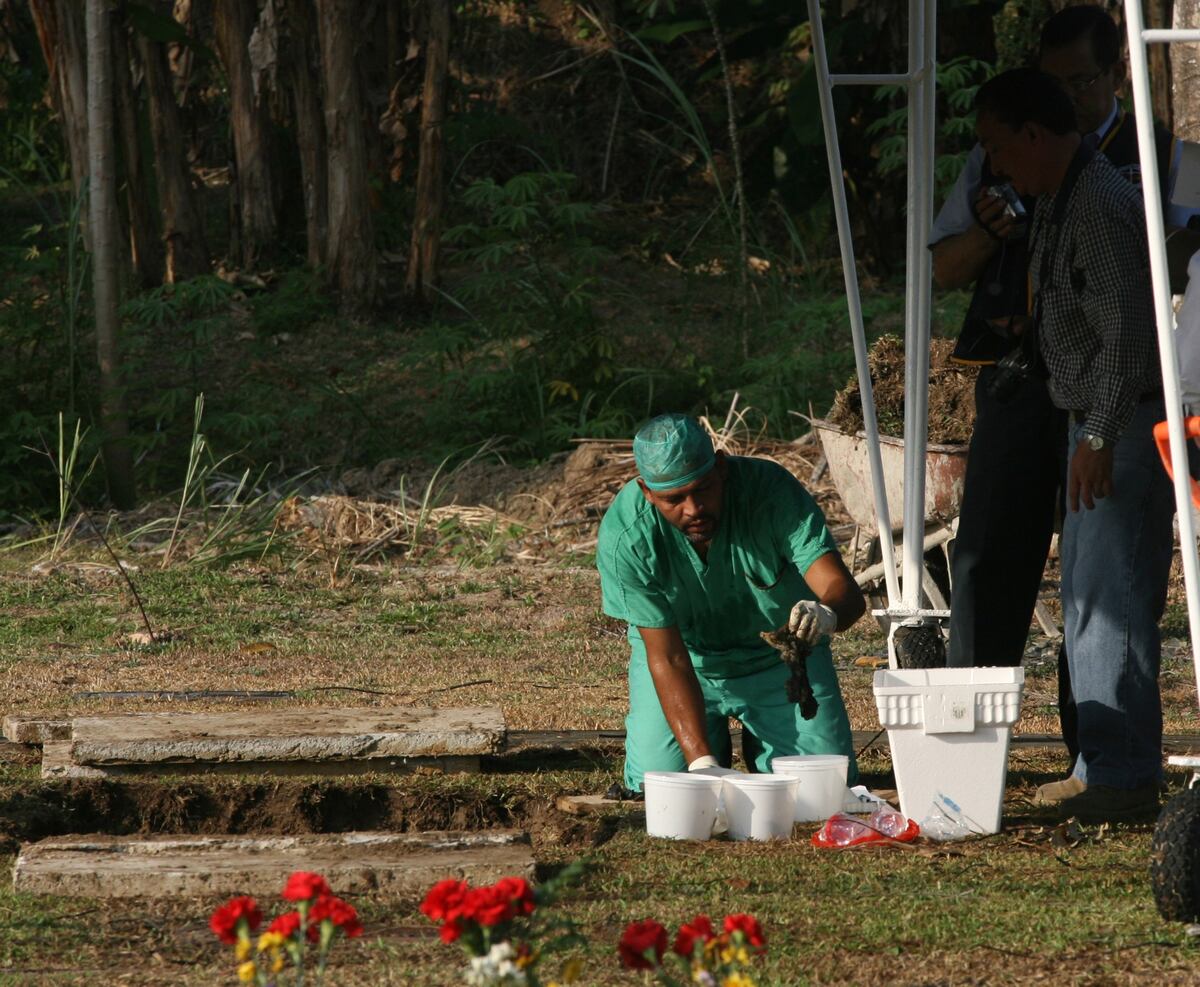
[[1021, 96], [1085, 21]]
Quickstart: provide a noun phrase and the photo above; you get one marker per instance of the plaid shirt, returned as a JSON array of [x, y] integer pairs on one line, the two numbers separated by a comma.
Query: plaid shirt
[[1097, 331]]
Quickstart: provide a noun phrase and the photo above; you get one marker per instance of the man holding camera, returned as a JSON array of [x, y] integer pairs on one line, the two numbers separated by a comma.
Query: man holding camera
[[1092, 329], [1016, 464]]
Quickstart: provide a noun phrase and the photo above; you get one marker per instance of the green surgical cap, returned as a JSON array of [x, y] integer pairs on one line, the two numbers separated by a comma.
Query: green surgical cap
[[672, 451]]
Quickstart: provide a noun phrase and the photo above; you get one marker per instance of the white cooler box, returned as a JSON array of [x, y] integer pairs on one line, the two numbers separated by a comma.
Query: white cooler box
[[949, 730]]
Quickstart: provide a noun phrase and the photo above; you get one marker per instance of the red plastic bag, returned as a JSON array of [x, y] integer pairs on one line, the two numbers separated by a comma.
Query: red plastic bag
[[884, 825]]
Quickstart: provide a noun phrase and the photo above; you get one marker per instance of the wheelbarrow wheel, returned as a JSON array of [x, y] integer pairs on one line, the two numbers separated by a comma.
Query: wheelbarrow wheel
[[935, 583], [1175, 858]]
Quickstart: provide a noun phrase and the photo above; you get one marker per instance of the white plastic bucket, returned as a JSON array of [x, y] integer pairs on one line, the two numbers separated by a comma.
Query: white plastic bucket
[[760, 807], [680, 806], [822, 777]]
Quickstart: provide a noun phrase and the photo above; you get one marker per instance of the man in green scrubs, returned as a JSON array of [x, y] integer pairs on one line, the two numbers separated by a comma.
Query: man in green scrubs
[[698, 555]]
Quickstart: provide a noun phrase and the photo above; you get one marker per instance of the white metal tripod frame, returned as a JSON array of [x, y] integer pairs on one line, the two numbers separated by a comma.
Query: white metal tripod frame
[[920, 83], [1164, 316]]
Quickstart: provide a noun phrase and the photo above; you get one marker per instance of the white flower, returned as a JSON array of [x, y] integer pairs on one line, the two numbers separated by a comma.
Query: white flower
[[496, 969]]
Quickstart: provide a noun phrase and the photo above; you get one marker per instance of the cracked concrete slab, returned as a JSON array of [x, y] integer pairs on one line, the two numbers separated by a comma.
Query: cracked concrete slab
[[23, 728], [298, 734], [353, 863]]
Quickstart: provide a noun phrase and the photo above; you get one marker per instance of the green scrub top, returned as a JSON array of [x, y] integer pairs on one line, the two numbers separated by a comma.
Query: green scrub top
[[770, 532]]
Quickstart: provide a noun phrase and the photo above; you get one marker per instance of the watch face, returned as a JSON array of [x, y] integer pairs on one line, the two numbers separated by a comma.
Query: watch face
[[1095, 442]]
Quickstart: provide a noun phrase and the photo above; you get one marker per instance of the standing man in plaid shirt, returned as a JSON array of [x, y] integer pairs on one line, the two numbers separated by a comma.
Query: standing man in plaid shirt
[[1092, 334]]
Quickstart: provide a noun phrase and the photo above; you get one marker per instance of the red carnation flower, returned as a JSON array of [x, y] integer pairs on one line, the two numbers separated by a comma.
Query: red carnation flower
[[519, 892], [286, 924], [304, 885], [639, 939], [224, 921], [488, 906], [698, 929], [748, 926], [444, 901], [331, 908], [450, 931]]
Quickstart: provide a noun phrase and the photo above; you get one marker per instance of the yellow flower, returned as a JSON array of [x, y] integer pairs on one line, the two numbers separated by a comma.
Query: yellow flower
[[737, 980], [571, 970], [742, 955], [278, 963], [247, 971], [727, 957], [242, 950], [269, 940]]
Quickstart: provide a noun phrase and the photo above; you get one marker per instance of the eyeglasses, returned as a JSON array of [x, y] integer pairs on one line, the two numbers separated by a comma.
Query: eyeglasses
[[1079, 86]]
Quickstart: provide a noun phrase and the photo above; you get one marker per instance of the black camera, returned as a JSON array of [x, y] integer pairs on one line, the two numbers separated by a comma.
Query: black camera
[[1013, 371]]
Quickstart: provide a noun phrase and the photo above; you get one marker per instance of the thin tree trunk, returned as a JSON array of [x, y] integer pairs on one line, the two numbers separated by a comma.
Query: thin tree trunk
[[1158, 14], [102, 209], [350, 258], [304, 64], [183, 231], [145, 245], [739, 188], [254, 186], [1185, 76], [423, 256], [60, 31]]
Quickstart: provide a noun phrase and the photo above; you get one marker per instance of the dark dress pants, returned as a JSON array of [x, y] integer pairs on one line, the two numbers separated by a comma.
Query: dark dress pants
[[1014, 472]]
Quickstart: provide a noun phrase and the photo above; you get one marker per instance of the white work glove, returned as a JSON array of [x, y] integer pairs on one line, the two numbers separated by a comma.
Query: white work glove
[[810, 619], [707, 761]]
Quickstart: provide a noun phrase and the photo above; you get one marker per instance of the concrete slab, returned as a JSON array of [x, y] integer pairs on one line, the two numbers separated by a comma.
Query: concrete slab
[[318, 734], [353, 863], [25, 729], [57, 762]]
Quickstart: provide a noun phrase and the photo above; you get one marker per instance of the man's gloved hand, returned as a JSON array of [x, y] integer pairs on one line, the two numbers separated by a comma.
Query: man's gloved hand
[[810, 619], [707, 761]]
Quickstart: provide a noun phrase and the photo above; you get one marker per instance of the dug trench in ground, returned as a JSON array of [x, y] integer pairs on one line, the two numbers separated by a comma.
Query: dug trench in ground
[[519, 798], [1036, 903]]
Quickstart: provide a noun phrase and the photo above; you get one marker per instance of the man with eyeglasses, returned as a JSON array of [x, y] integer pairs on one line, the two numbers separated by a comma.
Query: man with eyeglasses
[[1093, 335], [1016, 462]]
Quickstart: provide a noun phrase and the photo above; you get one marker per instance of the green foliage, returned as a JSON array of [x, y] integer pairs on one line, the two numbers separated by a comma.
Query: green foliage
[[532, 296], [1018, 27], [958, 81], [296, 302]]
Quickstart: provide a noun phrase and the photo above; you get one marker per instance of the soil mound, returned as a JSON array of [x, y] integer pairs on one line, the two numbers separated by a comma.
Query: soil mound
[[951, 394]]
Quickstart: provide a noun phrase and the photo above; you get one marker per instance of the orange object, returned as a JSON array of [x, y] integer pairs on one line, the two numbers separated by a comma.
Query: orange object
[[1191, 430]]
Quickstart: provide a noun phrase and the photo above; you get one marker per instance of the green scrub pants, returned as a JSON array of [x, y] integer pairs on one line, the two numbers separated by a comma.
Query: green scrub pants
[[759, 700]]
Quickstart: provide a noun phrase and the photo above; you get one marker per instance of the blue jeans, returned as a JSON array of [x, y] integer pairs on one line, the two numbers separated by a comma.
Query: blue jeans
[[1115, 563]]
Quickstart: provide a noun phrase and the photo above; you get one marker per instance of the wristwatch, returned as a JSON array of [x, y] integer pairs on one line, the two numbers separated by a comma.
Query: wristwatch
[[1095, 442]]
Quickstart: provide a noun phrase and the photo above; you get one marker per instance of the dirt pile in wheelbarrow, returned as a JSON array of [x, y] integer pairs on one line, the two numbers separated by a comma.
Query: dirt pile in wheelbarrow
[[951, 394]]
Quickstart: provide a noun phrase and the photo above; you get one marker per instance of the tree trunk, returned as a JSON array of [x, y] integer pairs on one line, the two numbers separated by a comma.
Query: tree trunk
[[183, 230], [1185, 76], [233, 23], [304, 64], [423, 273], [60, 30], [350, 256], [102, 210], [145, 246], [1160, 57]]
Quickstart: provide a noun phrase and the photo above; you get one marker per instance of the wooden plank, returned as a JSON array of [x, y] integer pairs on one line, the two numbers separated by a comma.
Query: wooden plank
[[161, 866], [592, 805]]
